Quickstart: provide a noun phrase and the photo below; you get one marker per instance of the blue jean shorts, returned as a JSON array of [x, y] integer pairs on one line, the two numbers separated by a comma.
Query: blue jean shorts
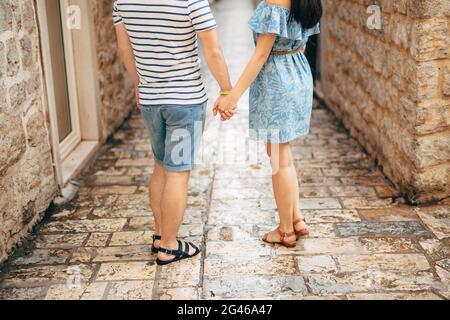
[[175, 134]]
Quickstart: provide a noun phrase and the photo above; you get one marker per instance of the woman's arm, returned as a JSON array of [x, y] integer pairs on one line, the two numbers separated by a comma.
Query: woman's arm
[[127, 55], [256, 63]]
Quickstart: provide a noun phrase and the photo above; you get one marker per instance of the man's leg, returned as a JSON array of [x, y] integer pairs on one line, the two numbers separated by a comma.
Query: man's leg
[[184, 130], [174, 202], [157, 130], [156, 189]]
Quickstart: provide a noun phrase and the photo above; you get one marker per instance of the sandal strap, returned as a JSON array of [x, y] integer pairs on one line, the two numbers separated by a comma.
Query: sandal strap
[[297, 221], [187, 248], [180, 252], [156, 238], [285, 235], [197, 249], [176, 253]]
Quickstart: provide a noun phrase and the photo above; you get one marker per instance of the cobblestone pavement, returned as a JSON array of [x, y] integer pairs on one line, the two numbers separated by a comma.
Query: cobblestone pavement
[[363, 243]]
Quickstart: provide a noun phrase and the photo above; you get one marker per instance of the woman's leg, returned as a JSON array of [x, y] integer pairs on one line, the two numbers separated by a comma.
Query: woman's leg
[[297, 214], [285, 190]]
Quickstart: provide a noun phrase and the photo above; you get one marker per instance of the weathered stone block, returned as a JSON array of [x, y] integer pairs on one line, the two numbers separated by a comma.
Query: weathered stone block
[[433, 183], [127, 253], [400, 228], [17, 96], [131, 290], [29, 18], [5, 16], [433, 149], [432, 116], [253, 287], [370, 280], [12, 57], [36, 132], [17, 14], [39, 275], [3, 101], [446, 84], [425, 82], [27, 52], [127, 271], [430, 40], [425, 8], [12, 144], [43, 256], [437, 220], [34, 83], [2, 60]]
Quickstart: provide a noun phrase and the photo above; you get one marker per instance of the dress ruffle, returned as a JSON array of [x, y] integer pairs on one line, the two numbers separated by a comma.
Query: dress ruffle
[[272, 19]]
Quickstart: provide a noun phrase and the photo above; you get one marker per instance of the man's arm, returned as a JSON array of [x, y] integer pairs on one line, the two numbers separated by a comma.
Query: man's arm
[[127, 55], [256, 63], [215, 59]]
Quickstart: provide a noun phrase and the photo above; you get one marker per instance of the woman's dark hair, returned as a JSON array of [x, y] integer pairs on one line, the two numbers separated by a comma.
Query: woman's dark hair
[[307, 12]]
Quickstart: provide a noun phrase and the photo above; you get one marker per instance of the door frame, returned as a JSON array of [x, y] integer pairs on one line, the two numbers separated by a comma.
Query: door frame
[[83, 84], [74, 138]]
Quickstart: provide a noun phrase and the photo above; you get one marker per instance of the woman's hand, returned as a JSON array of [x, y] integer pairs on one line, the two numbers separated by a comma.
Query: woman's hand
[[226, 103], [226, 106]]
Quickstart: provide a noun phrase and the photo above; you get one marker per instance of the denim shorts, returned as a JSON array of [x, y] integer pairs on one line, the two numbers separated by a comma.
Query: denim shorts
[[175, 134]]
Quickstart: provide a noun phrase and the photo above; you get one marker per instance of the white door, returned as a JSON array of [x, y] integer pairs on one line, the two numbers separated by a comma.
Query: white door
[[63, 77]]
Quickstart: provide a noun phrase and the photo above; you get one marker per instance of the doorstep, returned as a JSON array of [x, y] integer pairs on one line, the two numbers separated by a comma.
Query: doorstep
[[78, 159]]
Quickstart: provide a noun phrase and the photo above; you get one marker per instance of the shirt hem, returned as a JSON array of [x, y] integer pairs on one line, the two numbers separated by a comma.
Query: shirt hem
[[180, 104]]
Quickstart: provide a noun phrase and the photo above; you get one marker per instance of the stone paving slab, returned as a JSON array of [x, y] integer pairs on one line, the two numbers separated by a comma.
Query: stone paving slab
[[117, 271], [37, 276], [374, 280], [394, 296], [253, 287], [413, 228], [364, 243]]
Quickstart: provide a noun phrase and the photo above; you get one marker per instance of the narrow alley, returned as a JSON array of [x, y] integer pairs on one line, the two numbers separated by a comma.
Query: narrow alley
[[364, 242]]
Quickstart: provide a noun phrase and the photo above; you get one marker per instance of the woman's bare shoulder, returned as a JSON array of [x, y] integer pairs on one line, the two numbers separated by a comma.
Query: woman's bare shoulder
[[281, 3]]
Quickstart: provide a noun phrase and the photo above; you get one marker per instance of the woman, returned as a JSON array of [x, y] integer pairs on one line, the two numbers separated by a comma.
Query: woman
[[281, 99]]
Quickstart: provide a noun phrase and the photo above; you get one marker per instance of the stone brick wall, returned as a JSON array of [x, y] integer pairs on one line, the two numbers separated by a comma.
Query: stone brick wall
[[27, 182], [116, 89], [391, 87]]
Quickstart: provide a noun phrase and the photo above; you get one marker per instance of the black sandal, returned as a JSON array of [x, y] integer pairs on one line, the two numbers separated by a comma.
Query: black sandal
[[179, 254], [155, 250]]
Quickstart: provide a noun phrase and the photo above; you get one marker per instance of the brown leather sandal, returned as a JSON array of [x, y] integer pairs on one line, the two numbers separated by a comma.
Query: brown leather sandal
[[303, 232], [283, 235]]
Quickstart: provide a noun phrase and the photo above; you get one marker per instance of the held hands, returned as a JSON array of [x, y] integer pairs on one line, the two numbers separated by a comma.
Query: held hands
[[226, 106]]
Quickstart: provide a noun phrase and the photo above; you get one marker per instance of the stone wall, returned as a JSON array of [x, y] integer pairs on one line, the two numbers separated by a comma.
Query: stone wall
[[27, 182], [391, 87], [116, 89]]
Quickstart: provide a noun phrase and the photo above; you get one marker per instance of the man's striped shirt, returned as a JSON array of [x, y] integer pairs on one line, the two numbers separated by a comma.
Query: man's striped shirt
[[163, 34]]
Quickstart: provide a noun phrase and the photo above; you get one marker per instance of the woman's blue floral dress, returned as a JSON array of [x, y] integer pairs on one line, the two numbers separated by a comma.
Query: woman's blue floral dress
[[281, 98]]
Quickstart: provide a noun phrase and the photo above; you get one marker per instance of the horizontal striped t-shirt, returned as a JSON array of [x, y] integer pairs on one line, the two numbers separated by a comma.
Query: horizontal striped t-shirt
[[163, 34]]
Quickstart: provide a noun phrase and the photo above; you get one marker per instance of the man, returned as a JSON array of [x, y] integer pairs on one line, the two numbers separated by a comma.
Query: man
[[158, 43]]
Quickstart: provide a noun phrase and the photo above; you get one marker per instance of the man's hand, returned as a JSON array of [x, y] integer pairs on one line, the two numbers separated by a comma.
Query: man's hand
[[226, 107]]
